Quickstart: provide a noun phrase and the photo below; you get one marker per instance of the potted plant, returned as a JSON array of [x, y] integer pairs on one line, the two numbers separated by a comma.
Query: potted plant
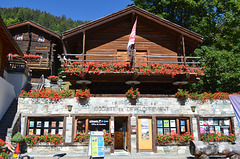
[[132, 95], [182, 95], [19, 139], [53, 79], [82, 95]]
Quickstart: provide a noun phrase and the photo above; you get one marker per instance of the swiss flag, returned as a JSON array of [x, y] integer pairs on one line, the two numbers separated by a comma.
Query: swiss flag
[[131, 40]]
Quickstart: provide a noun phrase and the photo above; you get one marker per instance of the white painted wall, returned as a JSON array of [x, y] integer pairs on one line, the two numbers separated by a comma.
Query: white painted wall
[[7, 94], [18, 80]]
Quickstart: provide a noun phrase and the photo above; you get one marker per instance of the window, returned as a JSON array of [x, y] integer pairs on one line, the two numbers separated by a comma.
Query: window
[[44, 126], [41, 39], [84, 125], [216, 125], [172, 125], [19, 37]]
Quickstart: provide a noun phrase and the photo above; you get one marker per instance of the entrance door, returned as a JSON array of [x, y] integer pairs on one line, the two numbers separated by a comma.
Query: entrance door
[[120, 133], [145, 134]]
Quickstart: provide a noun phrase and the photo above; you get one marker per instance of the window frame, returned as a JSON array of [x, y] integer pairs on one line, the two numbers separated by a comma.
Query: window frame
[[230, 129], [42, 128], [177, 124]]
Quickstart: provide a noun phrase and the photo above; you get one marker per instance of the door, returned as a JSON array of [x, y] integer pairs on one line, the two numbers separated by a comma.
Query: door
[[145, 134]]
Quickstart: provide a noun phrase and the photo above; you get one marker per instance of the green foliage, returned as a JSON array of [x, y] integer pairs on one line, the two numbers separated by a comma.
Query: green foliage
[[18, 138], [218, 21], [55, 23], [222, 71]]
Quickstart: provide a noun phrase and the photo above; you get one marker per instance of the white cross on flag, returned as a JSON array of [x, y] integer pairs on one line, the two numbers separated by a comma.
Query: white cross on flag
[[131, 40]]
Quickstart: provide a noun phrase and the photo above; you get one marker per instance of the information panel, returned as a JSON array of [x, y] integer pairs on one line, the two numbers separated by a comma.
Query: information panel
[[97, 144]]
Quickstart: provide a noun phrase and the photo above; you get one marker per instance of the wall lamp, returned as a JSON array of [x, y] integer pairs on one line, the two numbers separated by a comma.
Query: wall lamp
[[193, 108], [69, 108]]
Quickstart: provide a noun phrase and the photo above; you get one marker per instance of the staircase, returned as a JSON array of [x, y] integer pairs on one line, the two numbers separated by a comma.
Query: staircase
[[7, 119]]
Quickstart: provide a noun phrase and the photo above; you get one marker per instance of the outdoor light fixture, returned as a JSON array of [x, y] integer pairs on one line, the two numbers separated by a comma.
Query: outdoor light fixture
[[193, 108], [180, 83], [69, 108]]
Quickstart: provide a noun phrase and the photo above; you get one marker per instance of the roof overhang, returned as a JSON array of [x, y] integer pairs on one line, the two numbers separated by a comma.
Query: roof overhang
[[36, 25], [140, 12]]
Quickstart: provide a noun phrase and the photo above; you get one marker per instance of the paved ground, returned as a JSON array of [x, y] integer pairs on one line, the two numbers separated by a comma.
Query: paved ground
[[108, 156]]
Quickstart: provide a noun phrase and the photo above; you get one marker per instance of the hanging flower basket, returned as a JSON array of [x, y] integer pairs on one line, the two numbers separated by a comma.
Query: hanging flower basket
[[82, 95], [133, 95], [182, 96]]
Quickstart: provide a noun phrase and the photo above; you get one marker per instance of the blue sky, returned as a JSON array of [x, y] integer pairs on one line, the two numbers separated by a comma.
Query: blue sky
[[76, 9]]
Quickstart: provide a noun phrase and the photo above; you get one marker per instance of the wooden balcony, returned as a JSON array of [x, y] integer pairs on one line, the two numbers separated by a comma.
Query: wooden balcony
[[18, 67], [144, 68], [42, 64]]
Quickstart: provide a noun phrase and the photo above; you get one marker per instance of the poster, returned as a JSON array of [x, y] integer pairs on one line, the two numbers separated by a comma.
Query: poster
[[60, 131], [217, 129], [221, 122], [53, 123], [201, 121], [160, 131], [226, 122], [61, 124], [166, 131], [145, 129], [215, 122], [159, 123], [166, 123], [205, 121], [202, 129], [183, 129], [96, 144], [46, 124], [39, 123], [38, 131], [45, 131], [30, 132], [53, 131], [173, 131], [31, 124], [211, 129], [210, 121], [225, 131], [172, 123], [182, 122]]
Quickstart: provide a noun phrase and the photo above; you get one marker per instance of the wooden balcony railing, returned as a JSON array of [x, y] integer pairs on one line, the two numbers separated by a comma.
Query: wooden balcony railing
[[79, 64], [42, 63]]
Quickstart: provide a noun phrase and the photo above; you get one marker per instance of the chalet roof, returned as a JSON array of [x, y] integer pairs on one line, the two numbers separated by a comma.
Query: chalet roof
[[140, 12], [7, 37], [36, 25]]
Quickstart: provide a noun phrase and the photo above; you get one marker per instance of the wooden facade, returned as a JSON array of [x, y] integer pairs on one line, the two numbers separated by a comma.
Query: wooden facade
[[157, 41], [7, 45], [34, 39]]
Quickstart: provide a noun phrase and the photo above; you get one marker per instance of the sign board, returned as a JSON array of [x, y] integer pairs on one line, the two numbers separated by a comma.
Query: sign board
[[96, 144]]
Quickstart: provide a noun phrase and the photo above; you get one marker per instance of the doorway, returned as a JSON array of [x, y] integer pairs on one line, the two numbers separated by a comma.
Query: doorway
[[121, 133], [145, 134]]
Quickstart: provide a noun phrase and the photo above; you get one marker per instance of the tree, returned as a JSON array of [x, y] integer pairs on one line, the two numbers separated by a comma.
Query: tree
[[219, 22]]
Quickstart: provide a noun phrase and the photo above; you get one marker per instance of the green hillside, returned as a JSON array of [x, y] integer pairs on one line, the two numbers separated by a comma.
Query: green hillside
[[55, 23]]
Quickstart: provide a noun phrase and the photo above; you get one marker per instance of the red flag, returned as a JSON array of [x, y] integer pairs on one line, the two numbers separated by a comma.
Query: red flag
[[131, 40]]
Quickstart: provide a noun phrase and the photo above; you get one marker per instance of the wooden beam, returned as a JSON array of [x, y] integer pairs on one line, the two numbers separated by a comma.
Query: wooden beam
[[83, 52], [184, 54]]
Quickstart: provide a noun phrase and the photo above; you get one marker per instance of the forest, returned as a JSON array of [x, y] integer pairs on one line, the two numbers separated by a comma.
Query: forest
[[54, 23], [218, 21]]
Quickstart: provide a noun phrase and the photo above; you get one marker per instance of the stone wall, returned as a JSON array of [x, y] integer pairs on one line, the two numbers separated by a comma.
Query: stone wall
[[119, 105]]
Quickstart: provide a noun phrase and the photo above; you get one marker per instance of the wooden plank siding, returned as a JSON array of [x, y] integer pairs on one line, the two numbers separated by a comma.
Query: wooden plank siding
[[113, 40]]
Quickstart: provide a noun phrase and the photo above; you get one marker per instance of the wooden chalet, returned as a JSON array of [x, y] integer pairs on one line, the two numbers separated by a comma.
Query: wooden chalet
[[157, 41], [34, 39], [7, 45]]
